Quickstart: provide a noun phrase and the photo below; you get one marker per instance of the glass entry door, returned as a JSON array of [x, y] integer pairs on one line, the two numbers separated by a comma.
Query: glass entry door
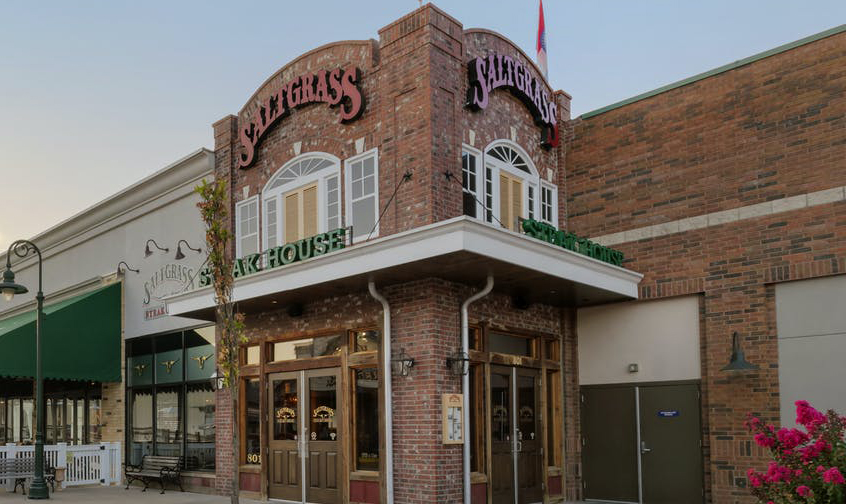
[[515, 436], [305, 431]]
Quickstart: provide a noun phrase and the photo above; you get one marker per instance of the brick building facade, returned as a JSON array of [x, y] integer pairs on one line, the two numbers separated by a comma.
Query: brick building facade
[[715, 189]]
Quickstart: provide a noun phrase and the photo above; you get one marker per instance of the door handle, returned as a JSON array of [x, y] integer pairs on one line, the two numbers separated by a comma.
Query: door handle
[[643, 448], [519, 447]]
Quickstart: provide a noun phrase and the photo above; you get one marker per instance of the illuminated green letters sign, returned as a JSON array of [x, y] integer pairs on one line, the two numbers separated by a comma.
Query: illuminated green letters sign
[[275, 257], [569, 241]]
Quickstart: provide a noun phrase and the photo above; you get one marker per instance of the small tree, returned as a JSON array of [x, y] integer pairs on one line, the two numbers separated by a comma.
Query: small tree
[[230, 324]]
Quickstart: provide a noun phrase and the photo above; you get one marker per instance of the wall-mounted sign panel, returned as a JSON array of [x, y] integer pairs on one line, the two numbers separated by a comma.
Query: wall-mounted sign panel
[[453, 418]]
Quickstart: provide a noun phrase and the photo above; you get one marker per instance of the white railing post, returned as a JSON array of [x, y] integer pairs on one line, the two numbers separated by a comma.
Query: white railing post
[[11, 450], [62, 463], [105, 465]]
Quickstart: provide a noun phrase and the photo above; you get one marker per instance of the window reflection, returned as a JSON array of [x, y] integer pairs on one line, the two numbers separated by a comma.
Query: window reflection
[[200, 411], [367, 419], [252, 427], [366, 341], [168, 428], [312, 347], [142, 425]]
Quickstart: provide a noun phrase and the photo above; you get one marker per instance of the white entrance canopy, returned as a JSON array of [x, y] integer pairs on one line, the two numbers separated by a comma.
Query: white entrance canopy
[[463, 250]]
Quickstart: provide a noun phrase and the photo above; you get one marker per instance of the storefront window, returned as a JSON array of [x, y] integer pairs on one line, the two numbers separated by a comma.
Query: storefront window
[[4, 435], [365, 341], [507, 344], [253, 355], [366, 419], [172, 376], [141, 435], [15, 421], [285, 410], [28, 422], [305, 348], [95, 421], [200, 429], [168, 426], [252, 427], [477, 418]]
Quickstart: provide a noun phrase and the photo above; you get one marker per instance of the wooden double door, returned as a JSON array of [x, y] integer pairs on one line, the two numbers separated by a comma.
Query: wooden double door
[[305, 436], [516, 440]]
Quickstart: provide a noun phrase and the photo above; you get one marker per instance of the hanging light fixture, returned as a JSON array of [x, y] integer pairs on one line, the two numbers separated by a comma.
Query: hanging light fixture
[[402, 364], [738, 361], [179, 254], [148, 252], [458, 363]]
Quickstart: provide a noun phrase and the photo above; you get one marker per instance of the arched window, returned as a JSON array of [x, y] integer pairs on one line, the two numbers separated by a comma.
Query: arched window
[[508, 188], [301, 199]]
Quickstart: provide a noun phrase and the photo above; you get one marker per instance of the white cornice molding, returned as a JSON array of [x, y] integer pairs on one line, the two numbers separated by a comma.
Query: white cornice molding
[[161, 188], [426, 242]]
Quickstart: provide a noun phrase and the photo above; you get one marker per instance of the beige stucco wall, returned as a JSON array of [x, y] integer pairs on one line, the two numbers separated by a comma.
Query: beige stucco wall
[[811, 322], [661, 337]]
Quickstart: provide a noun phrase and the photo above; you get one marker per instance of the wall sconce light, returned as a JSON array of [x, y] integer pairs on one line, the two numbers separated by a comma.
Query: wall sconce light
[[738, 361], [126, 268], [148, 252], [402, 364], [180, 255], [458, 363], [217, 381]]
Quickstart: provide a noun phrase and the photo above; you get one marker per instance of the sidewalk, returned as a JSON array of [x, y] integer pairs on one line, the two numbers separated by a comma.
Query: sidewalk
[[117, 494]]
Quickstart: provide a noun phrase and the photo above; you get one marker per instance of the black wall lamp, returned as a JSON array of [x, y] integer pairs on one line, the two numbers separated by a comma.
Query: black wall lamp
[[179, 254], [738, 361], [125, 268], [402, 364], [148, 252], [458, 363]]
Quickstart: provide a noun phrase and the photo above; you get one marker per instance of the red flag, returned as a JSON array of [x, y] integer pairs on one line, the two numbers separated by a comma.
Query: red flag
[[542, 43]]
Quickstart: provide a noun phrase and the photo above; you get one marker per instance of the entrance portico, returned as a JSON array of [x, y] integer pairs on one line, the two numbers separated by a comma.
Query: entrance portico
[[314, 372]]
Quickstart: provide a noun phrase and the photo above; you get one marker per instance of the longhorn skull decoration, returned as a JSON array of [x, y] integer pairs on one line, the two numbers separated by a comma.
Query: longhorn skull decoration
[[169, 364], [201, 359]]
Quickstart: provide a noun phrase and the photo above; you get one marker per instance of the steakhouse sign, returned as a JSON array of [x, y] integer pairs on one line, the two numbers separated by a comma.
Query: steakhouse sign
[[501, 71], [335, 87]]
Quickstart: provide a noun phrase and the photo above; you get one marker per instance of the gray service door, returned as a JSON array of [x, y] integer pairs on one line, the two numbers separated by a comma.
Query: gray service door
[[609, 438], [670, 436]]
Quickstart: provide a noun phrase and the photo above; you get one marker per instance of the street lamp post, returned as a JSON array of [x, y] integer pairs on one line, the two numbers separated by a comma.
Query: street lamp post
[[8, 288]]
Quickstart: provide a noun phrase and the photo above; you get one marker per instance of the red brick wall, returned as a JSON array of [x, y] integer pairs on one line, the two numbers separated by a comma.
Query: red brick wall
[[772, 129]]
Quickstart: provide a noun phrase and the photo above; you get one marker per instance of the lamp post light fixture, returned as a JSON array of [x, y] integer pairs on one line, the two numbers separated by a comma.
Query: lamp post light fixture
[[148, 252], [458, 363], [402, 364], [22, 248], [738, 361], [179, 254]]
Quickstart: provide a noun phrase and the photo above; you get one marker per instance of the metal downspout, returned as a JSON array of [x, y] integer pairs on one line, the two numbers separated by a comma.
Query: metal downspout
[[465, 383], [389, 414]]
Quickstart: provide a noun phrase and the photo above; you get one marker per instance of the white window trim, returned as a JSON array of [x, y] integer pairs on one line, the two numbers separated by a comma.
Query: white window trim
[[347, 194], [554, 190], [319, 176], [480, 179], [238, 237], [532, 179]]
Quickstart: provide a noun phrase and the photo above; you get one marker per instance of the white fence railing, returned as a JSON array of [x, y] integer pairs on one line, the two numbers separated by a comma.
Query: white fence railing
[[82, 464]]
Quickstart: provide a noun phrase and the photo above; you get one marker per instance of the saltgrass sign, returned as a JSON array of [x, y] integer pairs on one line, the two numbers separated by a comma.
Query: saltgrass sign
[[284, 255], [569, 241]]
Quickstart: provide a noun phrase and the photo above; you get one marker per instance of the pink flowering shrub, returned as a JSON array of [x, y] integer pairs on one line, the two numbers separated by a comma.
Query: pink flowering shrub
[[808, 465]]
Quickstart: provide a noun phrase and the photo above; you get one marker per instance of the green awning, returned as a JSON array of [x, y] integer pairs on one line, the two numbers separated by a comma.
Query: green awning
[[81, 339]]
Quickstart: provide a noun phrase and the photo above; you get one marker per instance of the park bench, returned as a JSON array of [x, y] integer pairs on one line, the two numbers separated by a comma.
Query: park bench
[[22, 469], [155, 467]]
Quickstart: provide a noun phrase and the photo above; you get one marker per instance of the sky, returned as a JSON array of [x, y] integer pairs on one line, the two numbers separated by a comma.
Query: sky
[[96, 95]]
